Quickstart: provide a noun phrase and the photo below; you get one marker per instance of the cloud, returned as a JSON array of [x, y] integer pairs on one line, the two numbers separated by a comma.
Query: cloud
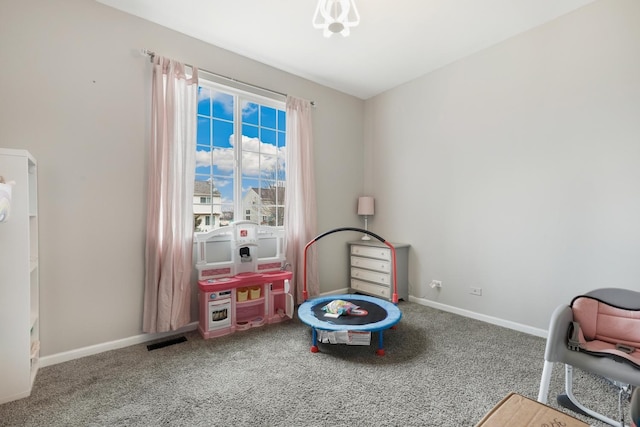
[[203, 158], [220, 183], [249, 109], [257, 157], [222, 99]]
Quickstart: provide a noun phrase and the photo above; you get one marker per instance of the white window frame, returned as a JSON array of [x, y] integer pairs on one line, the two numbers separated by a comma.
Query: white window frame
[[241, 93]]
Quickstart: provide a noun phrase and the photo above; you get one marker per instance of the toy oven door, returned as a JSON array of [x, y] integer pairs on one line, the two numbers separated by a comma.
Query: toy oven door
[[219, 313]]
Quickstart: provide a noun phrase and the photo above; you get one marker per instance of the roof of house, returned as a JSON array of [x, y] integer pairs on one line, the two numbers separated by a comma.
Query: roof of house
[[204, 188]]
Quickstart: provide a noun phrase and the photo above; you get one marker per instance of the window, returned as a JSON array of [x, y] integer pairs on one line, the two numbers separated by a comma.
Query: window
[[240, 158]]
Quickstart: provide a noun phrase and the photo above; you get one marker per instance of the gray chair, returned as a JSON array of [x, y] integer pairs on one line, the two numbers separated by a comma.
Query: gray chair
[[623, 375]]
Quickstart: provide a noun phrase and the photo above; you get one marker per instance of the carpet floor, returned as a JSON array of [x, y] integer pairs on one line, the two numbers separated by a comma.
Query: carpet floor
[[440, 369]]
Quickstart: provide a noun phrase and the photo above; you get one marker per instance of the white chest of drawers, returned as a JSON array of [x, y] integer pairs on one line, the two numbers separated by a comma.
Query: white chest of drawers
[[371, 268]]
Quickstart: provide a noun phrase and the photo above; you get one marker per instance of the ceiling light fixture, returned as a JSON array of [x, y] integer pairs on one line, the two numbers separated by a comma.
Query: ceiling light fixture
[[335, 16]]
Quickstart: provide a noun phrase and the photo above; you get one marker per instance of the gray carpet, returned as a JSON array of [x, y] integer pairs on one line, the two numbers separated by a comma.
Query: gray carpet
[[440, 369]]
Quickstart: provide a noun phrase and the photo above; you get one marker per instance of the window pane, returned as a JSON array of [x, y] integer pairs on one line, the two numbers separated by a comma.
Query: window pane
[[251, 199], [204, 128], [268, 136], [282, 121], [204, 101], [250, 165], [250, 113], [201, 202], [227, 214], [282, 176], [269, 167], [268, 117], [282, 138], [223, 106], [222, 132], [203, 162], [224, 201], [250, 131]]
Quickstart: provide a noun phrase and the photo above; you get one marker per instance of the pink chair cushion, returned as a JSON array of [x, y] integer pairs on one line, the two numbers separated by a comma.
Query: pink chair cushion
[[604, 322]]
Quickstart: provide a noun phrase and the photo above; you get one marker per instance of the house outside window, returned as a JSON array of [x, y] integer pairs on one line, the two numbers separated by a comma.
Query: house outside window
[[206, 206], [240, 157], [264, 206]]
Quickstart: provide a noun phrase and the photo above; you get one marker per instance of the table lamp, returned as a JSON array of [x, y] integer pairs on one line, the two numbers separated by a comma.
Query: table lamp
[[365, 208]]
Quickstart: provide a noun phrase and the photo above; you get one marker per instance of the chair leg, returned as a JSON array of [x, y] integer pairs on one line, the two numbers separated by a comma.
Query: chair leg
[[569, 401], [623, 391], [635, 407], [543, 393]]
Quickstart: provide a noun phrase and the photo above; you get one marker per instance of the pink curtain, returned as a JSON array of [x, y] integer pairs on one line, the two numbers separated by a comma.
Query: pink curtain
[[171, 178], [300, 207]]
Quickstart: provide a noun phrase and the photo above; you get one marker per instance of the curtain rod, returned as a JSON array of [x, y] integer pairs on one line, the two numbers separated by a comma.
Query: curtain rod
[[151, 54]]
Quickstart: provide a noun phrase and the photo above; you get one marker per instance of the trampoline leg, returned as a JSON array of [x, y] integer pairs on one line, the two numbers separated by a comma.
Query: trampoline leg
[[314, 339], [380, 350]]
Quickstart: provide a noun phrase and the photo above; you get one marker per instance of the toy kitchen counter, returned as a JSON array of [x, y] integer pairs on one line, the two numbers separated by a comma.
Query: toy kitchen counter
[[242, 281]]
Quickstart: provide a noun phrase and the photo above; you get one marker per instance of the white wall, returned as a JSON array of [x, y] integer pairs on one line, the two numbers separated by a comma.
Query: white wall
[[516, 170], [75, 92]]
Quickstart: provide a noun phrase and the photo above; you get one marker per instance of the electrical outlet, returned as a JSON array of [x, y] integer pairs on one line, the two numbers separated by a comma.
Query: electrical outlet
[[476, 291], [436, 284]]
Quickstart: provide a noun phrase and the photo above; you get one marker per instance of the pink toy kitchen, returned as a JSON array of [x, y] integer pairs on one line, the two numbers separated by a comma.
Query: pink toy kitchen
[[243, 281]]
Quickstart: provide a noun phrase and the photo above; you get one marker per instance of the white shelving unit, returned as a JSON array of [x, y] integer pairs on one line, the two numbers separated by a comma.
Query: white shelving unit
[[19, 278]]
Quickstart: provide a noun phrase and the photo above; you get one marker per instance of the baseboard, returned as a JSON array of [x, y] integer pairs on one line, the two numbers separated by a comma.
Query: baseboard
[[482, 317], [466, 313], [336, 292], [112, 345], [142, 338], [126, 342]]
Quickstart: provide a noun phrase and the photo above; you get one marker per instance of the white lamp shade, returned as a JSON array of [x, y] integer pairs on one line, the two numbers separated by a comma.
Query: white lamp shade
[[365, 205]]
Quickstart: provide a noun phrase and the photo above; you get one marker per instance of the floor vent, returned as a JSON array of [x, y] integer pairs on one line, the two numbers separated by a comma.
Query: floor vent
[[166, 343]]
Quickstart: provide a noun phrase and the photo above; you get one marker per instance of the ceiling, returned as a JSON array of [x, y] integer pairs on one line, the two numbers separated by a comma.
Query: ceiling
[[396, 41]]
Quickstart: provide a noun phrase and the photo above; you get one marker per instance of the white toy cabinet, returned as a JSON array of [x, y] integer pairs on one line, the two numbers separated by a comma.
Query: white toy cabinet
[[371, 269], [19, 287]]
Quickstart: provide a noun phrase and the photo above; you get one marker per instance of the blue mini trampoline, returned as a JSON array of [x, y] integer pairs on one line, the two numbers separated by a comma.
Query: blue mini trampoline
[[374, 315]]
